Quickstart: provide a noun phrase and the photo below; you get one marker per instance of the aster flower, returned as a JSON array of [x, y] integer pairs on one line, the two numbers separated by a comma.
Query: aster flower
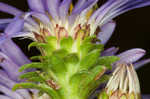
[[64, 33]]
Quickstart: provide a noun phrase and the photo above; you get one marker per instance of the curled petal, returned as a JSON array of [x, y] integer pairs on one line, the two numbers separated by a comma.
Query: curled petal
[[36, 5], [10, 93], [14, 52], [141, 63], [110, 51], [9, 9], [131, 56], [106, 32]]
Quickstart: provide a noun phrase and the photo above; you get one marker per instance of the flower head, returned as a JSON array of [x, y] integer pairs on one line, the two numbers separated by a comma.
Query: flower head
[[70, 65]]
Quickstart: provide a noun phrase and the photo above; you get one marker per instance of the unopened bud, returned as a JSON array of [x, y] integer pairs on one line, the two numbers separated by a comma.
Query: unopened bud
[[123, 84]]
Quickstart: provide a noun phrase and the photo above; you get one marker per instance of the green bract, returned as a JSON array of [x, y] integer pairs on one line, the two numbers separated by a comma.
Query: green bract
[[68, 69]]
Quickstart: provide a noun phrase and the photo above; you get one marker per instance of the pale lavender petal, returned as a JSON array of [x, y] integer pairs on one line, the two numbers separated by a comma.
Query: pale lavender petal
[[4, 97], [14, 52], [131, 55], [15, 26], [3, 21], [44, 18], [6, 81], [9, 66], [3, 26], [63, 9], [9, 9], [110, 51], [122, 8], [52, 7], [84, 6], [79, 4], [141, 63], [10, 93], [101, 10], [3, 73], [146, 96], [36, 5], [106, 32], [82, 9]]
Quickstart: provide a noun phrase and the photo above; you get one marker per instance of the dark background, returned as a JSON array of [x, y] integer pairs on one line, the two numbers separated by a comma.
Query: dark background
[[132, 31]]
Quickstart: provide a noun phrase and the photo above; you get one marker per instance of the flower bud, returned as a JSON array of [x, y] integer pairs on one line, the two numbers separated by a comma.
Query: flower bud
[[123, 84]]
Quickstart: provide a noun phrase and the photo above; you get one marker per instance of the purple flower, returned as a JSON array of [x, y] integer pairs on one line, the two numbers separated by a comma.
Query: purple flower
[[50, 17]]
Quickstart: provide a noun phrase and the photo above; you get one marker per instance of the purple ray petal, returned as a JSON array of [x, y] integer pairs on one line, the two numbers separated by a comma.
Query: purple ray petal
[[15, 26], [9, 66], [131, 55], [79, 4], [101, 10], [3, 21], [10, 93], [36, 5], [6, 81], [124, 7], [44, 18], [10, 83], [84, 6], [9, 9], [52, 7], [106, 32], [4, 97], [110, 51], [3, 26], [82, 9], [141, 63], [14, 52], [3, 73], [146, 96], [63, 9], [25, 93]]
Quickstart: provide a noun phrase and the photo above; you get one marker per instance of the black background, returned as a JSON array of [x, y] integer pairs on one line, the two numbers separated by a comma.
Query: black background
[[132, 31]]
